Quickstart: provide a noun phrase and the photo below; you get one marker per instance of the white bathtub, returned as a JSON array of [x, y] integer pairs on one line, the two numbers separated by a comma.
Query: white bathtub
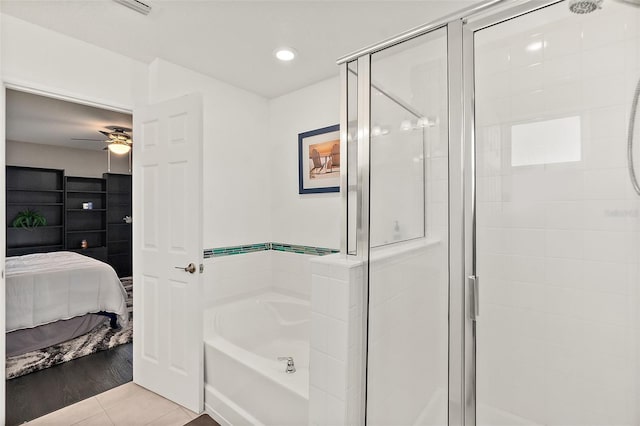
[[244, 382]]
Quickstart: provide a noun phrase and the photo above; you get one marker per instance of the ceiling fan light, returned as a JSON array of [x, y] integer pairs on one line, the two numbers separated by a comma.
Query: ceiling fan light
[[119, 148]]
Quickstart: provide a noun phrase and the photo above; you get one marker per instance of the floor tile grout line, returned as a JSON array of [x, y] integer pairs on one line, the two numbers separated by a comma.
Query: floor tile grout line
[[94, 415], [71, 410], [100, 403], [159, 417], [105, 410], [138, 391]]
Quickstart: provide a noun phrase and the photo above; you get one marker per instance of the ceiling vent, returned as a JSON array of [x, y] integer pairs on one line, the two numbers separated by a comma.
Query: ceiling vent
[[136, 5]]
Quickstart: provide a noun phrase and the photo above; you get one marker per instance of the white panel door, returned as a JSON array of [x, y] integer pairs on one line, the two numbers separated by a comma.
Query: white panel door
[[167, 211]]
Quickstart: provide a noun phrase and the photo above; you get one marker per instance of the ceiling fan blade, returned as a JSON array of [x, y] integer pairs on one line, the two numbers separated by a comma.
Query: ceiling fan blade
[[118, 128], [81, 139], [105, 133]]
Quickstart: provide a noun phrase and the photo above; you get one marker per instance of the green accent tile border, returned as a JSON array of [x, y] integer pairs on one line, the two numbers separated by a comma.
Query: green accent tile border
[[292, 248], [228, 251], [251, 248]]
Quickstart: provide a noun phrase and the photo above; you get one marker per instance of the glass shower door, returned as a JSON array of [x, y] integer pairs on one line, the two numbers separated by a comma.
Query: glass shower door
[[557, 219], [408, 234]]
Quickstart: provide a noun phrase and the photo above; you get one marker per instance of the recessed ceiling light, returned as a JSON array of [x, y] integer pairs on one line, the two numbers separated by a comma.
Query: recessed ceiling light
[[536, 45], [285, 54]]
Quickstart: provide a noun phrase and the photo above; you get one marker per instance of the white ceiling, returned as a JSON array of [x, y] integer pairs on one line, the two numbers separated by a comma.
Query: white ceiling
[[233, 40], [37, 119]]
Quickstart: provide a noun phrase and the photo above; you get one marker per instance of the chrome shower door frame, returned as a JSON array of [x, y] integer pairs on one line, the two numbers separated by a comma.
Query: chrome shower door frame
[[463, 291], [493, 15], [461, 384], [461, 331]]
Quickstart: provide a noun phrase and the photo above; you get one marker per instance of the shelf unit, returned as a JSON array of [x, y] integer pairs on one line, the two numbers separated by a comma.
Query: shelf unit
[[36, 189], [119, 233], [86, 224], [59, 198]]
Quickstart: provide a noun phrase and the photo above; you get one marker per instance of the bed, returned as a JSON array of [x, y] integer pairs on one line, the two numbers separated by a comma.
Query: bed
[[57, 290]]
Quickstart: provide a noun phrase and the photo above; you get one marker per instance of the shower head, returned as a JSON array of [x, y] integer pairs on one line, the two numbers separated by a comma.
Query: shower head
[[584, 6]]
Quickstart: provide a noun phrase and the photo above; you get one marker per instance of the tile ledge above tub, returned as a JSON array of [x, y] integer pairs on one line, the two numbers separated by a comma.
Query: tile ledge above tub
[[403, 248], [282, 247], [338, 259]]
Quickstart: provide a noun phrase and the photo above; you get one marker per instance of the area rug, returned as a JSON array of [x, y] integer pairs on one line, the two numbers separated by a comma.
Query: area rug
[[203, 420], [99, 339]]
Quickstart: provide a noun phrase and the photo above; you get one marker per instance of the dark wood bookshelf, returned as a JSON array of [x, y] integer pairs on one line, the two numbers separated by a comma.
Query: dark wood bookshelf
[[36, 189], [60, 199], [119, 233], [84, 224]]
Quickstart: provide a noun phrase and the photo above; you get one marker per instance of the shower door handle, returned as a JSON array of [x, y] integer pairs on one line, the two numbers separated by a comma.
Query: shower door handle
[[474, 289], [190, 268]]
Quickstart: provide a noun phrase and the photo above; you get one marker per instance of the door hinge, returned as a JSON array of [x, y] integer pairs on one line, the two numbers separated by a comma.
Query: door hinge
[[474, 298], [202, 268]]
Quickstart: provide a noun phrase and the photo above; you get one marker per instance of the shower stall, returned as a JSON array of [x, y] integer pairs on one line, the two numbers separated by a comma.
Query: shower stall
[[491, 194]]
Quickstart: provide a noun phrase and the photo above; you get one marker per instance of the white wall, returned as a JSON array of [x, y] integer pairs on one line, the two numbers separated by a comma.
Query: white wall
[[310, 219], [291, 273], [236, 276], [75, 162], [229, 277], [236, 154], [251, 153], [38, 58]]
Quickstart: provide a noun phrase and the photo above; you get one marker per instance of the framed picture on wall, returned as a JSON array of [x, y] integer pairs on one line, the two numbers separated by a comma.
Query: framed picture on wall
[[319, 160]]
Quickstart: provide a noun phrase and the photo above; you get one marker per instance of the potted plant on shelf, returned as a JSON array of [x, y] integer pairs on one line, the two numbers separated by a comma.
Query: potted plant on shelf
[[29, 219]]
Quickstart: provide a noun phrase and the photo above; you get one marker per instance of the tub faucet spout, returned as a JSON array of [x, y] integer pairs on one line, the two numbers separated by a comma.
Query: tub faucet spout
[[291, 368]]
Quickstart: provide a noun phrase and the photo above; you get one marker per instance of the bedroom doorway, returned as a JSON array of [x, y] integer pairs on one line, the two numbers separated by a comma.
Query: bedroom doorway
[[68, 214]]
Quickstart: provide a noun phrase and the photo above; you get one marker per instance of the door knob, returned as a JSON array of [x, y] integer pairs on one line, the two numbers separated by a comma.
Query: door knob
[[190, 268]]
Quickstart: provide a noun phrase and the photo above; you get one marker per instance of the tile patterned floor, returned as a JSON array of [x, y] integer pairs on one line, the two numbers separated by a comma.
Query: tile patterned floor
[[126, 405]]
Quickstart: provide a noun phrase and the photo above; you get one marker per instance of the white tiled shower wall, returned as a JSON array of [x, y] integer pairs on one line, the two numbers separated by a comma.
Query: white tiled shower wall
[[229, 277], [335, 361], [408, 313], [558, 244]]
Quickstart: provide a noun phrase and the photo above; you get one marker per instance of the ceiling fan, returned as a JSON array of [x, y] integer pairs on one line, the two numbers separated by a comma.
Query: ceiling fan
[[118, 139]]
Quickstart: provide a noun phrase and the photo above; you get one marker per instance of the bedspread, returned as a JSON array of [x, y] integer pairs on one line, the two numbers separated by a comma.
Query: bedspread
[[47, 287]]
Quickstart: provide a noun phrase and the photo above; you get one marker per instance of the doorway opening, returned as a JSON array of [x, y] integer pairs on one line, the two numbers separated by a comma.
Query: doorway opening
[[69, 253]]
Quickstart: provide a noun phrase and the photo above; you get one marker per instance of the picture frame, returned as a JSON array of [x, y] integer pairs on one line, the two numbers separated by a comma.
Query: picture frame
[[319, 160]]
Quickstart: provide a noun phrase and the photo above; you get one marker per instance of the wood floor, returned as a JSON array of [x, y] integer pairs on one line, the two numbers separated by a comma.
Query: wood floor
[[48, 390]]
